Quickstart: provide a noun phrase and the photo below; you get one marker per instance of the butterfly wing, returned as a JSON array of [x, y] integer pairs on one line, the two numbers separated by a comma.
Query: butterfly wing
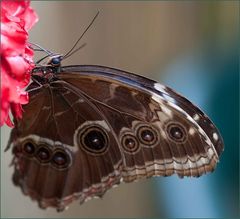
[[50, 165], [187, 142], [99, 125]]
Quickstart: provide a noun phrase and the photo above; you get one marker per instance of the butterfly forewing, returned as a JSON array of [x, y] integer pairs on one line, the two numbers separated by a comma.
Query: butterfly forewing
[[93, 126], [136, 99]]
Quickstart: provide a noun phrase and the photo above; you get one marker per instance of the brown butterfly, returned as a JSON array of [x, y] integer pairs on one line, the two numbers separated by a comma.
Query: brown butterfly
[[87, 128]]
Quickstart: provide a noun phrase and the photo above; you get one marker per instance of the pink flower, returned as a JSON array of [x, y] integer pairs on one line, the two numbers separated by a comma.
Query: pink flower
[[17, 18]]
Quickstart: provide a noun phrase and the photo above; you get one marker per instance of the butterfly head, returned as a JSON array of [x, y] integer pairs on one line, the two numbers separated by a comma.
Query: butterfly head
[[55, 60]]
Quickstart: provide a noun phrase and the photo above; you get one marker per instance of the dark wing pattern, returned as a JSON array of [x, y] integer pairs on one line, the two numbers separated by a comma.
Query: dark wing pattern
[[94, 126]]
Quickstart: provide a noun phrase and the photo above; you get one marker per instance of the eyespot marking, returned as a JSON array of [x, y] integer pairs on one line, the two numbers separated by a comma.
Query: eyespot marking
[[147, 135], [130, 143], [176, 132], [29, 148], [43, 154], [92, 138], [60, 159]]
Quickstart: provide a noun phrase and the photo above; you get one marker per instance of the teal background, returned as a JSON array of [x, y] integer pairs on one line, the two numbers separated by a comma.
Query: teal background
[[191, 46], [216, 195]]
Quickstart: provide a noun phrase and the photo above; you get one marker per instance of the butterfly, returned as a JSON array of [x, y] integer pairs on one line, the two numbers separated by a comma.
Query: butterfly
[[87, 128]]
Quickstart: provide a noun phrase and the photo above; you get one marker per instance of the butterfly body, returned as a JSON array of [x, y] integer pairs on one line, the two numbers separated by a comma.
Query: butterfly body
[[87, 128]]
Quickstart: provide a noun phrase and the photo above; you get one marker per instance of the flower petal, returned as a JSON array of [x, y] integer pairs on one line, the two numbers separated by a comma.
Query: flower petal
[[17, 17]]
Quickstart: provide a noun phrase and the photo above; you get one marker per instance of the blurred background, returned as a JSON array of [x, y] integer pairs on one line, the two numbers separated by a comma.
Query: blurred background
[[191, 46]]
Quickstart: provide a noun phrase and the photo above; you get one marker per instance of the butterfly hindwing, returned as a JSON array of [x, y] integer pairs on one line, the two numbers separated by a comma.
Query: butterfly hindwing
[[54, 164]]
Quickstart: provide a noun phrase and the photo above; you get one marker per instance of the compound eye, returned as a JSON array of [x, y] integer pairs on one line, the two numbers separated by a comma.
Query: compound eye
[[60, 159], [29, 148], [55, 61]]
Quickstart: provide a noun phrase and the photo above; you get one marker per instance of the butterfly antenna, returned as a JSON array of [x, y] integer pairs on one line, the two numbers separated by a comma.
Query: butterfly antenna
[[40, 48], [40, 60], [81, 35], [74, 51]]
